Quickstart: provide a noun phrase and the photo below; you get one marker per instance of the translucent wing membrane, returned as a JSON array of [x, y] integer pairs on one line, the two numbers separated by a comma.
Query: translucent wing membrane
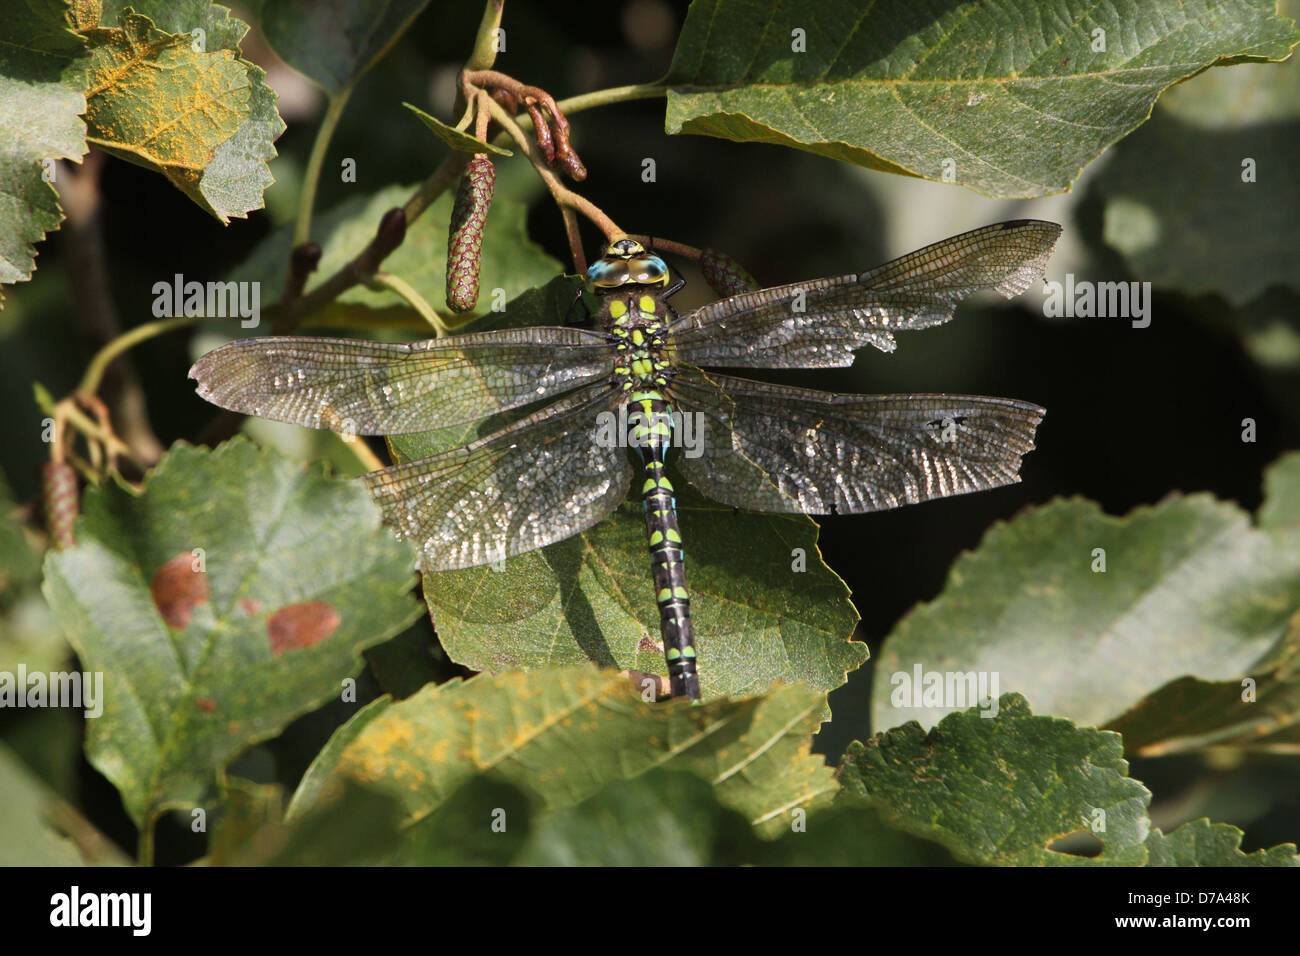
[[540, 480], [820, 323], [377, 388], [777, 448]]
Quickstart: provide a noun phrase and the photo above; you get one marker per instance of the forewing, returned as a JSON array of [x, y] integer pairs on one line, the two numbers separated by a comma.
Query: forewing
[[820, 323], [379, 388], [538, 481], [776, 448]]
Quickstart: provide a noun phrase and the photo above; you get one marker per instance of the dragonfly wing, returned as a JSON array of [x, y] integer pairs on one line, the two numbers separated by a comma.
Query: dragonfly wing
[[540, 480], [379, 388], [777, 448], [820, 323]]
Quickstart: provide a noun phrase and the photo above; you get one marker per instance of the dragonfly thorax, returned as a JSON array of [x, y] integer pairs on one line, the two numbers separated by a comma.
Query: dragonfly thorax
[[638, 323]]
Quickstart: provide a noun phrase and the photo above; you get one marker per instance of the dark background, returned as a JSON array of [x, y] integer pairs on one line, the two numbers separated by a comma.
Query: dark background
[[1133, 414]]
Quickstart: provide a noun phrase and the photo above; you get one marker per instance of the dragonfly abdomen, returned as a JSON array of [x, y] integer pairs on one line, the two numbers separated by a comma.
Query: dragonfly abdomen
[[652, 436]]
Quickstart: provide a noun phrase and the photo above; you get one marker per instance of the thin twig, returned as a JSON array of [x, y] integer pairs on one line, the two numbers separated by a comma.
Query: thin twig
[[385, 280]]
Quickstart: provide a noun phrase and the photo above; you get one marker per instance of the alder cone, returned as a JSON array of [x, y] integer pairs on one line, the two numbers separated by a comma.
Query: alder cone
[[465, 239], [59, 491], [724, 274]]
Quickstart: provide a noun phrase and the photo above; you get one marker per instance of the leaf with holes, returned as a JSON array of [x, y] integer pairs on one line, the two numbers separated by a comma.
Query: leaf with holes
[[1005, 97], [235, 594], [1001, 790]]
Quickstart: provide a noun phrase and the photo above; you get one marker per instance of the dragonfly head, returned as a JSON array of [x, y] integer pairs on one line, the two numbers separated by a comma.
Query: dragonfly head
[[626, 262]]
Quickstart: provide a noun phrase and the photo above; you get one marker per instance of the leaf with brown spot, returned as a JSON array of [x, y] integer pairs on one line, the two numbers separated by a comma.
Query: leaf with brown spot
[[273, 533], [301, 625], [178, 589]]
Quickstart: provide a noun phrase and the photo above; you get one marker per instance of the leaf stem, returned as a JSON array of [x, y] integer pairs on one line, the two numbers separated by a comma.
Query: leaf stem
[[369, 460], [484, 53], [144, 845], [307, 198], [95, 370], [612, 95], [386, 280]]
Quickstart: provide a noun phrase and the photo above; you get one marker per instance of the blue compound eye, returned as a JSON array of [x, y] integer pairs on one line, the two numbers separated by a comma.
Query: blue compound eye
[[607, 272], [648, 269]]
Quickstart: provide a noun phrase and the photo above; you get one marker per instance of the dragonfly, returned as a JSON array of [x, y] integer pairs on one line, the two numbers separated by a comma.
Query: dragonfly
[[636, 393]]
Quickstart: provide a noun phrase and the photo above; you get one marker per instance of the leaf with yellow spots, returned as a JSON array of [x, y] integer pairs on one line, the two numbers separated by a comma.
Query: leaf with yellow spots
[[565, 732], [183, 104]]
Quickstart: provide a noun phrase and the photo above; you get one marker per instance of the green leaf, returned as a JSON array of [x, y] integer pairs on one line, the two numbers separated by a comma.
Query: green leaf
[[248, 830], [359, 826], [461, 142], [1204, 230], [234, 181], [660, 818], [1011, 97], [42, 72], [221, 31], [1202, 843], [334, 42], [1189, 589], [850, 835], [200, 661], [29, 635], [1262, 713], [484, 823], [564, 733], [511, 262], [591, 599], [28, 836], [665, 818], [204, 118], [1002, 790], [20, 565], [316, 784], [1279, 515]]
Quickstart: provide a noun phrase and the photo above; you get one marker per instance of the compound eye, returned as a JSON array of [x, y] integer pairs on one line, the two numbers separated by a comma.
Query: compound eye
[[647, 270], [607, 272]]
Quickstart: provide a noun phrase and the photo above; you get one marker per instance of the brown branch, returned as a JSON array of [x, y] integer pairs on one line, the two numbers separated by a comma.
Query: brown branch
[[95, 315]]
